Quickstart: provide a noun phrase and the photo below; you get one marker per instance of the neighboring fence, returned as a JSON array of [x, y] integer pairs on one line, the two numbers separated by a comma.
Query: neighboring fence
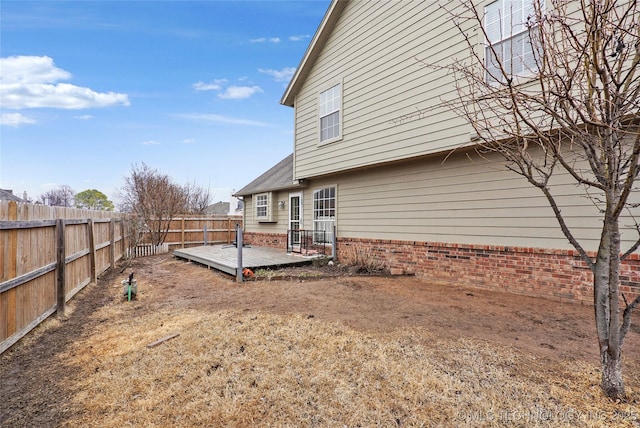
[[47, 255], [193, 231], [144, 250]]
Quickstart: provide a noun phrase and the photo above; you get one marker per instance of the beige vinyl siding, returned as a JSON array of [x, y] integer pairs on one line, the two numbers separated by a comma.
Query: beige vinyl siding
[[392, 104], [458, 201], [280, 217]]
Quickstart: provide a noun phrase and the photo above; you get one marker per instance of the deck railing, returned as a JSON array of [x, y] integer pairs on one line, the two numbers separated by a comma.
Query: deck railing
[[309, 242]]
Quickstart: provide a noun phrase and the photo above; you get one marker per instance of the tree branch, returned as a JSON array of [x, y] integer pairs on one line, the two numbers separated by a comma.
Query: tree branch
[[626, 317]]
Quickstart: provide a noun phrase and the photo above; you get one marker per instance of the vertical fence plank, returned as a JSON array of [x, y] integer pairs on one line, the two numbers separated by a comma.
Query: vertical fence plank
[[11, 263], [60, 267]]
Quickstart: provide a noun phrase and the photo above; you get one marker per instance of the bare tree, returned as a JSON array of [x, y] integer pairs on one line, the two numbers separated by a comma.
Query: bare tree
[[563, 98], [198, 198], [154, 199], [63, 196]]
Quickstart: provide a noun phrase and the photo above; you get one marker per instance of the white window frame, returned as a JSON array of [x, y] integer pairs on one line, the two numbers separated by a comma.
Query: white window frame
[[505, 23], [330, 103], [322, 214], [263, 210]]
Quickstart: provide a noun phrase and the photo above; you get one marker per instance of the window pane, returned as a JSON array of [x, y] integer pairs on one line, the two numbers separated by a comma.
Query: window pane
[[329, 111], [492, 22], [324, 213], [507, 31]]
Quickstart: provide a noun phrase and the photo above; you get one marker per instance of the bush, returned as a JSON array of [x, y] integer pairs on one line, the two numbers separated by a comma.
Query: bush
[[363, 259]]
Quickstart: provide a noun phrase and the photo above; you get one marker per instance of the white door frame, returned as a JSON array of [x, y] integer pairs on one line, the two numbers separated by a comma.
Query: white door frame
[[300, 213]]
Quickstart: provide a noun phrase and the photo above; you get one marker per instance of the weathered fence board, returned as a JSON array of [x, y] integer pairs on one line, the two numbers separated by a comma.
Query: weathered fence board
[[193, 231], [47, 255]]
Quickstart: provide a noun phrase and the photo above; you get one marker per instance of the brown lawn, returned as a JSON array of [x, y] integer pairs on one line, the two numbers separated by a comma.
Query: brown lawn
[[334, 351]]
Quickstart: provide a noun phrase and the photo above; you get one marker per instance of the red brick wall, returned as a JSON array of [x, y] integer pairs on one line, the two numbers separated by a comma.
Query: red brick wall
[[557, 274], [274, 240]]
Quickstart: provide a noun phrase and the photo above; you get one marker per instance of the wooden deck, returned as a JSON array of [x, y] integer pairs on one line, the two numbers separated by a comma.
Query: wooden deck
[[225, 258]]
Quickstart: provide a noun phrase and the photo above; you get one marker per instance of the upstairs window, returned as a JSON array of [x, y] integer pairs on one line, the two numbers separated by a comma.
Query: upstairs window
[[330, 105], [509, 39]]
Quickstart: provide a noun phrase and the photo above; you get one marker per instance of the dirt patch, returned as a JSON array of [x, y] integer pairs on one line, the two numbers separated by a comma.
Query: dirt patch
[[49, 377], [382, 303]]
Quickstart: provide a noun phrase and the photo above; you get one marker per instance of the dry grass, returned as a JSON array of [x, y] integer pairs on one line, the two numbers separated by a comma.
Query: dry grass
[[251, 368], [364, 259]]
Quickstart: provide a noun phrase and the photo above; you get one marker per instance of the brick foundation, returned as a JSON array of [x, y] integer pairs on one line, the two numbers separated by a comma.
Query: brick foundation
[[556, 274], [273, 240]]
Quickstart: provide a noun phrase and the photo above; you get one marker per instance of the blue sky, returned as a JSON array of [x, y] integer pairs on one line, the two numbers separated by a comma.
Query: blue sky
[[190, 88]]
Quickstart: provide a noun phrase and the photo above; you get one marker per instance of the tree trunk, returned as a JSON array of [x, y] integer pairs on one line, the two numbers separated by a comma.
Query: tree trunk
[[607, 309], [612, 382]]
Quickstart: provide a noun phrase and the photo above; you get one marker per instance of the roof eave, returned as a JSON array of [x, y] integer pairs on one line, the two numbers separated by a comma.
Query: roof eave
[[292, 186], [320, 37]]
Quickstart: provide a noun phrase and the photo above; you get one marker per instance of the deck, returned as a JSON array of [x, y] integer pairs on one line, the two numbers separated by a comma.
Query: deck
[[225, 257]]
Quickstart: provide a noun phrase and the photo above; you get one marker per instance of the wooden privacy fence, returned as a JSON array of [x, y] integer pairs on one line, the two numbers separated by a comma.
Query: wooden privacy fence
[[47, 255], [192, 231]]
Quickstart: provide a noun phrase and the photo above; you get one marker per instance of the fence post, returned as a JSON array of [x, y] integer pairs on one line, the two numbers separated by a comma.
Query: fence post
[[334, 243], [122, 238], [60, 267], [182, 235], [205, 235], [112, 238], [92, 250], [239, 245]]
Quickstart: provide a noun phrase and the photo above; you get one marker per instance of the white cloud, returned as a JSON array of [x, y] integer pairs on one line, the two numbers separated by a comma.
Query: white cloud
[[299, 38], [188, 141], [30, 69], [213, 86], [239, 92], [15, 120], [222, 119], [31, 82], [150, 143], [83, 117], [283, 75], [265, 40]]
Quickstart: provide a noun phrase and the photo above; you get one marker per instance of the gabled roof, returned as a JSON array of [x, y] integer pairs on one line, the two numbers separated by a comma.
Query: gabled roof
[[217, 208], [279, 177], [7, 195], [313, 50]]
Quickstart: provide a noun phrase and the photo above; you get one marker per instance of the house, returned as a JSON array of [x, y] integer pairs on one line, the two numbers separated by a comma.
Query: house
[[7, 195], [223, 209], [218, 209], [374, 157]]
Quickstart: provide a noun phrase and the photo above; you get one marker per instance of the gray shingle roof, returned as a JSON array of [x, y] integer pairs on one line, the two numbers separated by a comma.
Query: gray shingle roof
[[279, 177], [7, 195]]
